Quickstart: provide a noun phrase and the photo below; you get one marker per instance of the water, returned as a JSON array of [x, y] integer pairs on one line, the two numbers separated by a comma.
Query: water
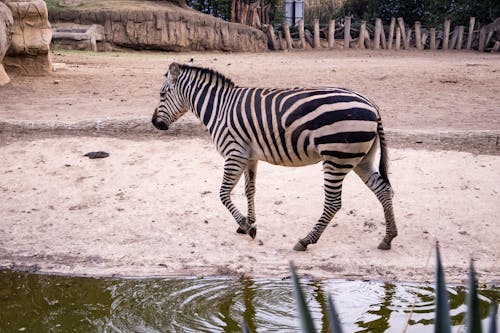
[[48, 303]]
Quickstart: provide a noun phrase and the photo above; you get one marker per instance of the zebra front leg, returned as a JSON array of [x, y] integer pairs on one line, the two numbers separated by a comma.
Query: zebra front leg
[[250, 173], [333, 202], [233, 168]]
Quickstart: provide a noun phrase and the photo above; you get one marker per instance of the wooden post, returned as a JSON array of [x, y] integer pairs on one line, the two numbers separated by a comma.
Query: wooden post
[[470, 35], [446, 33], [391, 33], [301, 34], [272, 37], [316, 34], [382, 36], [288, 38], [347, 31], [378, 32], [460, 39], [331, 34], [362, 29], [408, 39], [401, 24], [454, 38], [432, 43], [418, 35], [398, 38], [425, 35]]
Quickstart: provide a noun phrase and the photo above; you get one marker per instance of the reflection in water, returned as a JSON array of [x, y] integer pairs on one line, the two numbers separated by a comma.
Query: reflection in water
[[44, 303]]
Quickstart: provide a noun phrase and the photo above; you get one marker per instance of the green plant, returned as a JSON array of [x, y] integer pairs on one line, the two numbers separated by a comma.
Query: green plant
[[442, 314]]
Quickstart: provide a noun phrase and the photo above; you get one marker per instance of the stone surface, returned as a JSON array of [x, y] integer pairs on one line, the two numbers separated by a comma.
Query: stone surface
[[6, 22], [170, 29], [29, 50]]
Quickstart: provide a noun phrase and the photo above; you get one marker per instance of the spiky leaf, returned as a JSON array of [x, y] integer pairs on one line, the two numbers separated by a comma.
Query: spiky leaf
[[443, 323], [244, 327], [333, 318], [306, 322], [473, 315], [493, 318]]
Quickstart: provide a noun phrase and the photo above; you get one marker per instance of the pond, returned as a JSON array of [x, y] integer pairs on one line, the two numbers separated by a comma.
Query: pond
[[51, 303]]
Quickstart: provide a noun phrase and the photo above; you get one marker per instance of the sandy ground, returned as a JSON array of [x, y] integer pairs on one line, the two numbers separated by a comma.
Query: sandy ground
[[152, 207]]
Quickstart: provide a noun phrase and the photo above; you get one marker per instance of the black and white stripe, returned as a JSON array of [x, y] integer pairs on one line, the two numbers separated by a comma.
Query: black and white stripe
[[290, 127]]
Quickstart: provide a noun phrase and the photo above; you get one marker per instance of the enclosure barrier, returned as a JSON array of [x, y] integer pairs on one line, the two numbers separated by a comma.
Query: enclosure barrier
[[338, 34]]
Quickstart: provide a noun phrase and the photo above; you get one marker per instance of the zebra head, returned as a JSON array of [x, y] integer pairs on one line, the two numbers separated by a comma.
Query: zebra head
[[171, 106]]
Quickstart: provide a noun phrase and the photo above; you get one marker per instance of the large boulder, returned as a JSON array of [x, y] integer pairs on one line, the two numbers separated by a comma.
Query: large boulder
[[29, 51], [164, 26], [6, 22]]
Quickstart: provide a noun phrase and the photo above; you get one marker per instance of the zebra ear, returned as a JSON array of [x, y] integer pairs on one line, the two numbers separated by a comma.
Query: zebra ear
[[173, 72], [190, 62]]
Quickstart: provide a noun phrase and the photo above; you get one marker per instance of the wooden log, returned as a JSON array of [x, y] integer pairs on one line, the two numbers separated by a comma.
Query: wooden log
[[425, 35], [401, 24], [382, 37], [316, 44], [470, 35], [302, 39], [309, 37], [288, 38], [377, 34], [460, 39], [368, 43], [454, 38], [446, 34], [347, 31], [398, 38], [362, 30], [272, 37], [408, 39], [432, 43], [418, 35], [331, 34], [391, 33], [496, 47]]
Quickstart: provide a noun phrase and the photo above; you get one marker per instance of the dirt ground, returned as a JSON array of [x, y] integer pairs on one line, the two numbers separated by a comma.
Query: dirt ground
[[152, 207]]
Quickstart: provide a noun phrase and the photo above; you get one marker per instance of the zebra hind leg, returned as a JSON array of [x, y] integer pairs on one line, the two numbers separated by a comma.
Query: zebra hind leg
[[333, 193], [233, 168], [250, 173], [383, 191]]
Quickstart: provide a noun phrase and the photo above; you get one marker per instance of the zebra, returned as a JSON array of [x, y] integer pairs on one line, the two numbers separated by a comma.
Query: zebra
[[288, 127]]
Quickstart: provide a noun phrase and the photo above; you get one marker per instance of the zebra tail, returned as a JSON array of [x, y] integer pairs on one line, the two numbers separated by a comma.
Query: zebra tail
[[384, 156]]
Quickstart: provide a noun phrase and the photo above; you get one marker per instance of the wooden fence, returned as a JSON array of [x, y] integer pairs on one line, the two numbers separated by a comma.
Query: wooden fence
[[396, 36]]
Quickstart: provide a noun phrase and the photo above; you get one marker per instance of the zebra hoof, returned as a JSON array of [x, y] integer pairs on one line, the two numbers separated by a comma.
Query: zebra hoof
[[252, 232], [241, 231], [299, 246], [384, 246]]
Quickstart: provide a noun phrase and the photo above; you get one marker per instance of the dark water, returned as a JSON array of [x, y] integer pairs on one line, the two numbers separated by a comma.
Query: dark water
[[47, 303]]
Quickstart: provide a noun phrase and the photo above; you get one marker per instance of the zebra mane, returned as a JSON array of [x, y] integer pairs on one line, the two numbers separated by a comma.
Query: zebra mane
[[201, 70]]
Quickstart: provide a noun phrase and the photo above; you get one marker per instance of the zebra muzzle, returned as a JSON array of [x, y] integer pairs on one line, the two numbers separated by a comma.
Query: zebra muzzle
[[159, 124]]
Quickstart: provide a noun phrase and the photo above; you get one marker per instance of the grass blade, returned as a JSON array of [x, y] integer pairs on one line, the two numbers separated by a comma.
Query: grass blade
[[442, 322], [473, 320], [333, 318], [493, 318], [306, 322]]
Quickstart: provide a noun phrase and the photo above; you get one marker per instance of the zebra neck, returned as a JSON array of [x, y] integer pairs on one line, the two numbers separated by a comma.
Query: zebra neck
[[208, 104]]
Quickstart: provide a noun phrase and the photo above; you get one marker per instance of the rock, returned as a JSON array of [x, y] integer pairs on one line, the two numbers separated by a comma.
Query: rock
[[168, 29], [29, 51], [6, 22]]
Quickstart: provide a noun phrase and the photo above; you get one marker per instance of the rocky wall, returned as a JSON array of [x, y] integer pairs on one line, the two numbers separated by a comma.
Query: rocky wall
[[6, 22], [170, 30], [28, 53]]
